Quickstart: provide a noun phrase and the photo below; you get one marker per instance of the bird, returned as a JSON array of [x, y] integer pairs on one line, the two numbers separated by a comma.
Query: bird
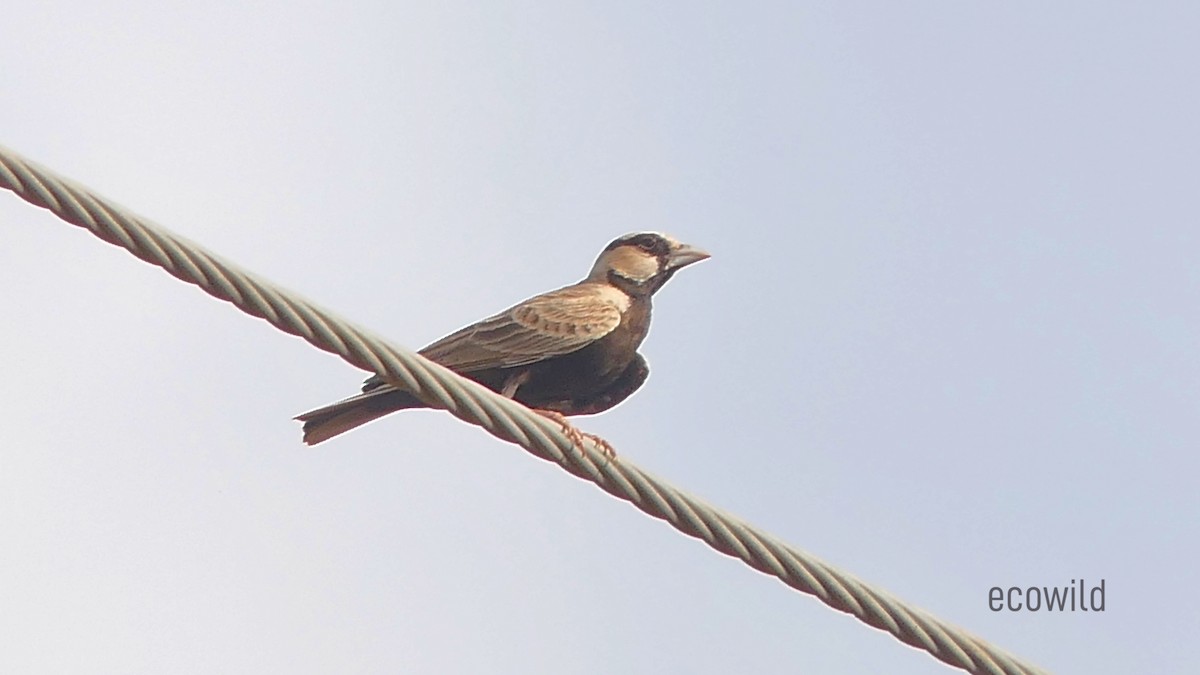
[[571, 351]]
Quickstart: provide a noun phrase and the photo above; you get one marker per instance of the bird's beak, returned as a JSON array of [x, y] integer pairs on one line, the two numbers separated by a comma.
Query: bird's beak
[[684, 255]]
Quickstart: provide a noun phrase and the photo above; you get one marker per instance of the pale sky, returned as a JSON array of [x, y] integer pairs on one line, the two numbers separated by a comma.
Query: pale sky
[[946, 340]]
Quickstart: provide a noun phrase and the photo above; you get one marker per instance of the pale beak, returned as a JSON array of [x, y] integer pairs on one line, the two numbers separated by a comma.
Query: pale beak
[[684, 255]]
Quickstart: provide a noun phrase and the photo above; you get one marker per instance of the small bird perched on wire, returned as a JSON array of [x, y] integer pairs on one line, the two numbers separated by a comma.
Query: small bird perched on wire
[[572, 351]]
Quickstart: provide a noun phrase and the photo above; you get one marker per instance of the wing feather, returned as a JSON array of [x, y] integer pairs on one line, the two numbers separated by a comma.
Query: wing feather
[[545, 326]]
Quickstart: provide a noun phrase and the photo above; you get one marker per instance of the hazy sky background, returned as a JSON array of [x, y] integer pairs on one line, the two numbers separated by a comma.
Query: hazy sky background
[[947, 339]]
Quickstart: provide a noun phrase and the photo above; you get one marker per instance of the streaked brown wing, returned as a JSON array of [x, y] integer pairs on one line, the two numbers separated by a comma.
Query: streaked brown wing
[[542, 327], [545, 326]]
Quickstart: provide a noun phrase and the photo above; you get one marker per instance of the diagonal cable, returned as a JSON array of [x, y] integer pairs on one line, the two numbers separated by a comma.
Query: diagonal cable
[[506, 419]]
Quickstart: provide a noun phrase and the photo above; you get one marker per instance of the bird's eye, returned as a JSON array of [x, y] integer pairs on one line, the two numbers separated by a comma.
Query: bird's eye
[[647, 243]]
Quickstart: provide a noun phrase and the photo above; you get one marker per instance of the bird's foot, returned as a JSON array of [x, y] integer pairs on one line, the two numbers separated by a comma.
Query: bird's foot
[[577, 436]]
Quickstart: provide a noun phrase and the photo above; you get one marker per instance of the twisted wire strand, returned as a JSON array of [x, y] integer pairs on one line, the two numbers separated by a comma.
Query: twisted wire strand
[[505, 419]]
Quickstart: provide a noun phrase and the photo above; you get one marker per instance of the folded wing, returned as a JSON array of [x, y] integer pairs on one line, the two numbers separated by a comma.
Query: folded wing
[[543, 327]]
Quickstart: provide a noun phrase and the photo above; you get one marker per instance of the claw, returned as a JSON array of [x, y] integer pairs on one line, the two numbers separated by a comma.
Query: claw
[[576, 435]]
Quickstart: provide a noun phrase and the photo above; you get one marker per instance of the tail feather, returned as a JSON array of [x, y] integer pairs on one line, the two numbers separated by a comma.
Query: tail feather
[[326, 422]]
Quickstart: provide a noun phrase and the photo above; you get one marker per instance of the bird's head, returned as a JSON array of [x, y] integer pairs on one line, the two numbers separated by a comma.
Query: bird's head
[[641, 263]]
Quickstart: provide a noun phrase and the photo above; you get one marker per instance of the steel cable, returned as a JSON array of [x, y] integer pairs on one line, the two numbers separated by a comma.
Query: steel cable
[[502, 417]]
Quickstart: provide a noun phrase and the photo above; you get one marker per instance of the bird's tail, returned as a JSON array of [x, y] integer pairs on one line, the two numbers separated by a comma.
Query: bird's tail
[[326, 422]]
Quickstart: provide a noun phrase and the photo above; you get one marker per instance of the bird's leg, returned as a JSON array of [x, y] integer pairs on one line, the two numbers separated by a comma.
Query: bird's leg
[[577, 436], [509, 390], [514, 382]]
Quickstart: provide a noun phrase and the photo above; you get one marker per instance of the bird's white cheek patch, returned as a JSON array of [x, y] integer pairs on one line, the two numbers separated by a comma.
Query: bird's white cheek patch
[[633, 263]]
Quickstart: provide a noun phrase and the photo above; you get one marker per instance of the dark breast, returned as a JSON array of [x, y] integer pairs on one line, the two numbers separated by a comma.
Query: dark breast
[[576, 383]]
